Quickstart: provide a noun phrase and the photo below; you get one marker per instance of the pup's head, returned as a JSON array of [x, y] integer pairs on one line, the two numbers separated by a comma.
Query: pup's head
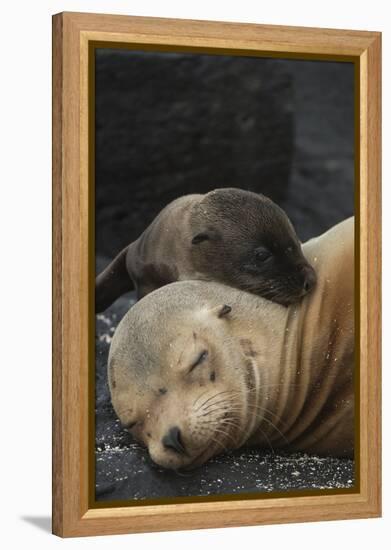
[[245, 240]]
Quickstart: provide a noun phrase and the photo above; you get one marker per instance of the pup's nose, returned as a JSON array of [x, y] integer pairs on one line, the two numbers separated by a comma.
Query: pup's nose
[[172, 440], [309, 278]]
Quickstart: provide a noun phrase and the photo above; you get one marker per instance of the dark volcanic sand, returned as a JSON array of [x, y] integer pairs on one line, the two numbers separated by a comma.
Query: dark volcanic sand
[[124, 470]]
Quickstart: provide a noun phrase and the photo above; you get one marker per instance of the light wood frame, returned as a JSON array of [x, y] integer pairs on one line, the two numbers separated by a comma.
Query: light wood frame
[[72, 33]]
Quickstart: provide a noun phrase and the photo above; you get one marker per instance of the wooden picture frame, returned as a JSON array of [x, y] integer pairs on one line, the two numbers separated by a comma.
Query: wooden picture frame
[[73, 34]]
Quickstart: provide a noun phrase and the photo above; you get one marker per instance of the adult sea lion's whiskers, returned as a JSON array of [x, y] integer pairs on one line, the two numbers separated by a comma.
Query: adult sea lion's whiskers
[[267, 439], [268, 411], [214, 404], [225, 409], [223, 422], [261, 409], [213, 397], [219, 444], [278, 418], [252, 409], [226, 434], [199, 397], [267, 386], [275, 428]]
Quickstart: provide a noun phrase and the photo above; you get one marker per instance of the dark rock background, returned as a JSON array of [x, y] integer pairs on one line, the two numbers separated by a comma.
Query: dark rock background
[[172, 124]]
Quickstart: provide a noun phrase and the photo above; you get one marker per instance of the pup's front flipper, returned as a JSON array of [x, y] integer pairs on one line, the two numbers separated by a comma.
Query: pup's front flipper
[[112, 282]]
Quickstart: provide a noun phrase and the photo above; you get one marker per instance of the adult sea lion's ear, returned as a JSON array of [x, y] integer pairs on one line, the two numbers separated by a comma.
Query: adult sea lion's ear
[[221, 311], [200, 237]]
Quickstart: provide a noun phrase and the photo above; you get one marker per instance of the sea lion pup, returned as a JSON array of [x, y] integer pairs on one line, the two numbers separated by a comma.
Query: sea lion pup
[[195, 367], [229, 235]]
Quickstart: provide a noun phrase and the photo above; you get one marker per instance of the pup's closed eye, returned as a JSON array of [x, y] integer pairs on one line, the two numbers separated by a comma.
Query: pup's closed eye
[[262, 254]]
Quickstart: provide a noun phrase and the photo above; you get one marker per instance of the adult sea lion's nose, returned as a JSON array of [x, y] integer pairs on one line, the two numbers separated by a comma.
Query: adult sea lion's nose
[[173, 440]]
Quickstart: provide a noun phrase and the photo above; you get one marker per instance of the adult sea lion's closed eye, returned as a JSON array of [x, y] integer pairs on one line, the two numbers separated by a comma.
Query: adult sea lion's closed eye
[[200, 359]]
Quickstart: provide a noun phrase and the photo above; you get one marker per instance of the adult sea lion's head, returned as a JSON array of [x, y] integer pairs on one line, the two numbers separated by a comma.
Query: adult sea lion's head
[[179, 382], [245, 240]]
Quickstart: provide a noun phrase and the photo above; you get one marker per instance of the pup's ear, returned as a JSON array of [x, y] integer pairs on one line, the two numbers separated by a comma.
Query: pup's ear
[[221, 311], [209, 234], [200, 237]]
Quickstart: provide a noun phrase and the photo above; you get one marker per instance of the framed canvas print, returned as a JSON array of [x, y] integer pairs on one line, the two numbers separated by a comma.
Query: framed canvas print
[[216, 268]]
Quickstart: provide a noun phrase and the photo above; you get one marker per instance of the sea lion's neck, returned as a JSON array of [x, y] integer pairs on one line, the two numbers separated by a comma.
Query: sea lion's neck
[[271, 345], [303, 364]]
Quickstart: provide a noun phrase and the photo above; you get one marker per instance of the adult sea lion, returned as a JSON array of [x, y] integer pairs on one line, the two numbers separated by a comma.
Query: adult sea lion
[[232, 236], [195, 367]]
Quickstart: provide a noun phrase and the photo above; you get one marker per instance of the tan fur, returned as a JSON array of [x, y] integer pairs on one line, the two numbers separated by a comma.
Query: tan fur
[[283, 377]]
